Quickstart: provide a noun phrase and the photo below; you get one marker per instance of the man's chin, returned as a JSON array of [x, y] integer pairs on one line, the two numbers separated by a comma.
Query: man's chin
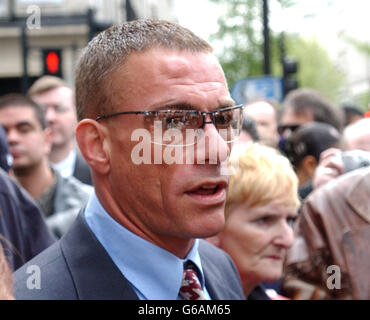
[[57, 143], [20, 170], [211, 228]]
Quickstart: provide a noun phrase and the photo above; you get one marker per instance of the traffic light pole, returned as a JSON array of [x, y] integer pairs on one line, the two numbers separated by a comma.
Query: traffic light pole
[[24, 45], [290, 67], [282, 47], [266, 37]]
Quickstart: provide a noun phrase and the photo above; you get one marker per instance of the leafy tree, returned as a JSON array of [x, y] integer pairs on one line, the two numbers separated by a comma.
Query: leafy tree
[[316, 69], [363, 100], [240, 32], [361, 46]]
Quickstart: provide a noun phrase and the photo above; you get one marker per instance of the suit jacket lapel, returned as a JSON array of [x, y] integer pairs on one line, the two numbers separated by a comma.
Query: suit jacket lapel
[[216, 278], [93, 272], [96, 276]]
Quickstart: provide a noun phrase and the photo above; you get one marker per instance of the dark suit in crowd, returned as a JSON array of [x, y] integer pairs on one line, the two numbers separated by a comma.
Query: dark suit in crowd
[[78, 267], [22, 225], [82, 170]]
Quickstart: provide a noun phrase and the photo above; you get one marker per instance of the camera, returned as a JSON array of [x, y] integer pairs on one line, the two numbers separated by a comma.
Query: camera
[[355, 159]]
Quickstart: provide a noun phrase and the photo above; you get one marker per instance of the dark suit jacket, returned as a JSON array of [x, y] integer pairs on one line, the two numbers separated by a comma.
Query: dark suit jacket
[[82, 169], [78, 267], [23, 230]]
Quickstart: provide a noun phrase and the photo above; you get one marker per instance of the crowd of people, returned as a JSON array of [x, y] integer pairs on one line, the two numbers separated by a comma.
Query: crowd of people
[[263, 201]]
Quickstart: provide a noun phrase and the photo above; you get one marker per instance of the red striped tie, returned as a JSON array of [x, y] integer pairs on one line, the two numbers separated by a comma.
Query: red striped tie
[[190, 286]]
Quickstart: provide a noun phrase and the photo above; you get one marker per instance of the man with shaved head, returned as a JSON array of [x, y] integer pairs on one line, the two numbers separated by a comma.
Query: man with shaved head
[[151, 86]]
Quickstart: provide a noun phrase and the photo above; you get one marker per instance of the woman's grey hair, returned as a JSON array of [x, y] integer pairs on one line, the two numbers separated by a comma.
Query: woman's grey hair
[[108, 51]]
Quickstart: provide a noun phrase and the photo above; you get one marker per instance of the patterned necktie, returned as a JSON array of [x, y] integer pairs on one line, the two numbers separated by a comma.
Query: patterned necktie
[[190, 286]]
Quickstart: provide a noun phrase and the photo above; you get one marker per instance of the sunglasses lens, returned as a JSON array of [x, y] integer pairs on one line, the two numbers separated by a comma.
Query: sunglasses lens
[[228, 123], [176, 126], [184, 127], [193, 120], [283, 128]]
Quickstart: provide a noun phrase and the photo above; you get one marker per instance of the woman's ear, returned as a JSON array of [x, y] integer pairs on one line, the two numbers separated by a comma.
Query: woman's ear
[[92, 139], [309, 163]]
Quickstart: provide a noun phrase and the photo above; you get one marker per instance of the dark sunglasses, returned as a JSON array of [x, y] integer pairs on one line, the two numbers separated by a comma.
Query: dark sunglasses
[[284, 128], [227, 120]]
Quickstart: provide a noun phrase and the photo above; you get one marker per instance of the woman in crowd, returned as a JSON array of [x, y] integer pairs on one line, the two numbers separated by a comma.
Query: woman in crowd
[[261, 205]]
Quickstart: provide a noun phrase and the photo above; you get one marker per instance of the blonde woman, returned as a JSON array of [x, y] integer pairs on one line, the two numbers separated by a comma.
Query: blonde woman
[[261, 205]]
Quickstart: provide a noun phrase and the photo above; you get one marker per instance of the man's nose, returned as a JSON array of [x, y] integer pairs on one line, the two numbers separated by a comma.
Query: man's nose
[[211, 147], [50, 114], [12, 136]]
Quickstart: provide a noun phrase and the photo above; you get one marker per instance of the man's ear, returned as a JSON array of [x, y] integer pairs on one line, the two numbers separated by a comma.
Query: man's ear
[[92, 139], [307, 169]]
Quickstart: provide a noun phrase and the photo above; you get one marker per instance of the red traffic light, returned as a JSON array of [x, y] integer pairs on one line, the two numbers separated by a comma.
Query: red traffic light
[[52, 62]]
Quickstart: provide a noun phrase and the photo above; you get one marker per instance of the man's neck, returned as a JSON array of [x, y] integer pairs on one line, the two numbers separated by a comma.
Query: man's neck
[[36, 180], [303, 178], [59, 153], [178, 246]]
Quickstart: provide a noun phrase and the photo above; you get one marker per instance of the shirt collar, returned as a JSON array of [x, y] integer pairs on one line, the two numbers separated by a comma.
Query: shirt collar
[[67, 165], [154, 273]]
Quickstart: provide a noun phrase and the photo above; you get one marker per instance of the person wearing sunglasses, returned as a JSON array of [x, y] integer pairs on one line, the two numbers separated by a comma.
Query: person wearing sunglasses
[[305, 105], [156, 126]]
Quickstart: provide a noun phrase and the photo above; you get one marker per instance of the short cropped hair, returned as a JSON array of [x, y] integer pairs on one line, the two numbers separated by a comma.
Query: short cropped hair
[[305, 99], [16, 100], [263, 175], [46, 83], [108, 51]]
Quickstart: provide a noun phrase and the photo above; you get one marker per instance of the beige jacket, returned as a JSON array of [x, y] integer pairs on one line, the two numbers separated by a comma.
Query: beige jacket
[[332, 234]]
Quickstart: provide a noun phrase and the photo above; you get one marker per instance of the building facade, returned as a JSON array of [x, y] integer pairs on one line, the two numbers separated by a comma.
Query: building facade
[[29, 27]]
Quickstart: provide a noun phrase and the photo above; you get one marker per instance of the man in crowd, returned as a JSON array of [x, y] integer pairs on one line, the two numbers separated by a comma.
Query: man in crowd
[[29, 142], [305, 105], [23, 232], [138, 235], [264, 113], [58, 100], [357, 135]]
